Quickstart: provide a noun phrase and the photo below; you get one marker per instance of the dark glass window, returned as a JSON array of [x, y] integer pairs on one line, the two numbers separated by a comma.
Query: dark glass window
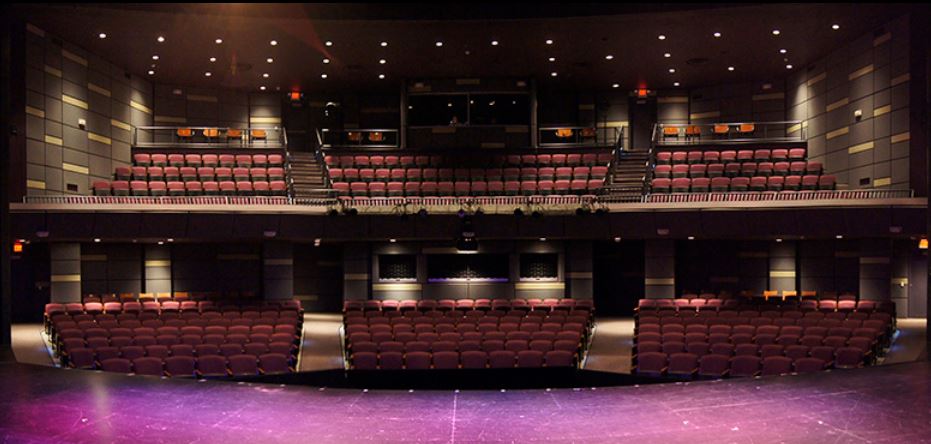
[[437, 110], [499, 109]]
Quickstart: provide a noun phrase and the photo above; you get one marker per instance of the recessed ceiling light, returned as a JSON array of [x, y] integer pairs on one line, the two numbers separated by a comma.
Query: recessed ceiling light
[[265, 75], [717, 35], [609, 57], [839, 236], [616, 85], [783, 51], [776, 32], [170, 239], [384, 44], [213, 59], [269, 60], [262, 88], [323, 76], [161, 242], [778, 239], [549, 41], [667, 55], [552, 59], [151, 72], [542, 239], [617, 239], [96, 239], [326, 60], [218, 41], [449, 105], [661, 37], [691, 237], [788, 66], [102, 35], [207, 74], [152, 66], [553, 74], [155, 57], [382, 61], [273, 43], [328, 43], [494, 43], [160, 39], [381, 76], [675, 83], [438, 44], [835, 26], [730, 68], [672, 70]]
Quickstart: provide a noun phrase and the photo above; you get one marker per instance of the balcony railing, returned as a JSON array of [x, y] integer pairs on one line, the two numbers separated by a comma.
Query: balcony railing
[[666, 134], [209, 137], [358, 138], [579, 136]]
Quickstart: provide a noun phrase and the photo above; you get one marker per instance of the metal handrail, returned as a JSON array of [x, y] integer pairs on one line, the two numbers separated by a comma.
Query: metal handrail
[[577, 140], [245, 141], [362, 142], [708, 137]]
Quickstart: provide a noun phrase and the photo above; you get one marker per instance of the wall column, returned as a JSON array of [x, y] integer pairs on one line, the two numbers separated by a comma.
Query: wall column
[[875, 269], [355, 272], [900, 286], [579, 270], [157, 269], [66, 272], [782, 269], [660, 269], [278, 270]]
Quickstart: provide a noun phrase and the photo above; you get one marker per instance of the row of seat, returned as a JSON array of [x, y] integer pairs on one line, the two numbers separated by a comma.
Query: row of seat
[[516, 160], [162, 306], [202, 174], [535, 304], [173, 366], [472, 359], [213, 296], [689, 365], [727, 156], [208, 160], [738, 184], [427, 189], [192, 188], [764, 169], [463, 174], [845, 304]]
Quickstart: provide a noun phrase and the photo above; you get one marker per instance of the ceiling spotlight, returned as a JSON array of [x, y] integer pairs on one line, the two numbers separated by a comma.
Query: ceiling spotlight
[[672, 70], [675, 83], [783, 51], [102, 35], [667, 55], [549, 41], [553, 74], [326, 60], [839, 236], [730, 68], [273, 43], [616, 85], [161, 242], [609, 57], [265, 75], [788, 66], [384, 44], [262, 88], [661, 37], [542, 239], [382, 61], [97, 239], [207, 74], [552, 59], [155, 57], [381, 76], [494, 43], [151, 72], [213, 59], [392, 240], [449, 105], [776, 32], [323, 76], [617, 239], [835, 26], [269, 60], [160, 39], [218, 41], [717, 35], [691, 237], [778, 239], [438, 44], [328, 43]]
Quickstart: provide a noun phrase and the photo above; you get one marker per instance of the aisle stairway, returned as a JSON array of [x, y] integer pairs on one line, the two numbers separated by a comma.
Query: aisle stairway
[[628, 176], [307, 176]]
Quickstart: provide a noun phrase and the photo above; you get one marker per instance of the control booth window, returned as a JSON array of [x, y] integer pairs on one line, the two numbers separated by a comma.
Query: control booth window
[[499, 109], [539, 267], [467, 267], [438, 110], [397, 267]]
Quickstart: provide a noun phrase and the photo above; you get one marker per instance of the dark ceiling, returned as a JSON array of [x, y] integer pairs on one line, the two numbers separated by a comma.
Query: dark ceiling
[[582, 34]]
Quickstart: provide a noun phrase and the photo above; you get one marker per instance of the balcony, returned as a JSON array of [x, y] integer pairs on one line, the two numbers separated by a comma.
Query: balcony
[[736, 133], [208, 138]]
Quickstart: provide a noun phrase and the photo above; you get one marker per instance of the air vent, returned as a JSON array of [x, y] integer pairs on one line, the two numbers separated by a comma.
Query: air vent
[[697, 61]]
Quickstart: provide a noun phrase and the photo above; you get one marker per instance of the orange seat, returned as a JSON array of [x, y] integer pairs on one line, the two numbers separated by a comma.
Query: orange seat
[[770, 294], [588, 132], [376, 136], [670, 131], [211, 133], [564, 133], [259, 134], [809, 294], [234, 133], [721, 128], [789, 294], [745, 128], [353, 136], [692, 131], [185, 133]]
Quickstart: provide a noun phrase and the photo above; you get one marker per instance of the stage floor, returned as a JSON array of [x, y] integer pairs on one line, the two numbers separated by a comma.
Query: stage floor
[[880, 404]]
